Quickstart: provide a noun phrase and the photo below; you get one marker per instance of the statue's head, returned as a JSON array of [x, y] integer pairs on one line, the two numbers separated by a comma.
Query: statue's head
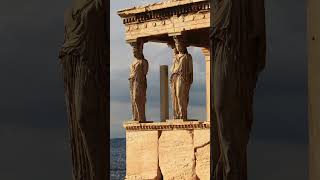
[[80, 4], [138, 49], [180, 44]]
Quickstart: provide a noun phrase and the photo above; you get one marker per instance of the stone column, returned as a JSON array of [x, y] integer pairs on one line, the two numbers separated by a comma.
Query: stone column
[[164, 97], [314, 87], [206, 53]]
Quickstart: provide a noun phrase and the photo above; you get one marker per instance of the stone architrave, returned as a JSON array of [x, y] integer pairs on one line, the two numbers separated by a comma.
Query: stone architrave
[[138, 82], [239, 46], [85, 68], [176, 155], [181, 79], [142, 155], [165, 17]]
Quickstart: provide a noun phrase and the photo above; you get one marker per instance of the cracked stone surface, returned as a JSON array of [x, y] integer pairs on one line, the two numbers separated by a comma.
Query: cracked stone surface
[[142, 155], [201, 137], [203, 162], [176, 155], [202, 153]]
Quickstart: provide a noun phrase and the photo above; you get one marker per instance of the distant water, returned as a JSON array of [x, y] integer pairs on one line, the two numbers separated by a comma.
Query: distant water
[[117, 159]]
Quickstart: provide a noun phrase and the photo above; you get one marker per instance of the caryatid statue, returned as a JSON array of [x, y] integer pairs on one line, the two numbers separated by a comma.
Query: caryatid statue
[[239, 53], [85, 67], [138, 82], [181, 78]]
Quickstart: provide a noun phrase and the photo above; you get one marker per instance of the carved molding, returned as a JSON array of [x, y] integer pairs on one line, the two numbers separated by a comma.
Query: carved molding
[[173, 25], [141, 22], [166, 126], [166, 13]]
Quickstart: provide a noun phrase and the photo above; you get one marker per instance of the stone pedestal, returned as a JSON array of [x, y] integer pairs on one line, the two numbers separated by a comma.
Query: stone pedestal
[[168, 150]]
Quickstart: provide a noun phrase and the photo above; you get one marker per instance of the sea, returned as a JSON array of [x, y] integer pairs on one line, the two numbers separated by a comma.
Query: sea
[[117, 159]]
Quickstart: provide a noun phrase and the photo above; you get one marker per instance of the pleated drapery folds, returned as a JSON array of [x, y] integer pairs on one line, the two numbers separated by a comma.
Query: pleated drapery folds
[[239, 51], [84, 64]]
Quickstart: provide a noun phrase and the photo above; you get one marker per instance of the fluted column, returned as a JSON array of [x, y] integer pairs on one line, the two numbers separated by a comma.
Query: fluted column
[[206, 53]]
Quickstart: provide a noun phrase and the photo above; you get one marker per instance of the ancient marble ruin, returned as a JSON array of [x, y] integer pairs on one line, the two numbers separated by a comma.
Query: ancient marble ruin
[[177, 147], [166, 22]]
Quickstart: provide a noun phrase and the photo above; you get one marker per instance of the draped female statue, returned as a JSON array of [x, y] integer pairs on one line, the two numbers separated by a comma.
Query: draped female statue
[[239, 44], [138, 82], [85, 68], [181, 79]]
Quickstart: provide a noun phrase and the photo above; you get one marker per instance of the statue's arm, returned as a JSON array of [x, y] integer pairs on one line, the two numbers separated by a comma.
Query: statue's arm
[[260, 28], [174, 59], [132, 72], [146, 67], [257, 33]]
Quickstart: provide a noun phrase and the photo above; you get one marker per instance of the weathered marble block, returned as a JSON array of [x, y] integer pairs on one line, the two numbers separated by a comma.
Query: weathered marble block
[[202, 153], [172, 150], [176, 155], [142, 155]]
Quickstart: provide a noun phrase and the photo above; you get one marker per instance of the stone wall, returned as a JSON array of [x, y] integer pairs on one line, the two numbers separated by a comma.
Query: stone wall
[[168, 150]]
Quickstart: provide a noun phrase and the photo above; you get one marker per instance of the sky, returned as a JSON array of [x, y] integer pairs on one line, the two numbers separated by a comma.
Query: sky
[[33, 126]]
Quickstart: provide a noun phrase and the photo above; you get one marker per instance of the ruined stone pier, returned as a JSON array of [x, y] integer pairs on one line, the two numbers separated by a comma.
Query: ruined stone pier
[[171, 150]]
